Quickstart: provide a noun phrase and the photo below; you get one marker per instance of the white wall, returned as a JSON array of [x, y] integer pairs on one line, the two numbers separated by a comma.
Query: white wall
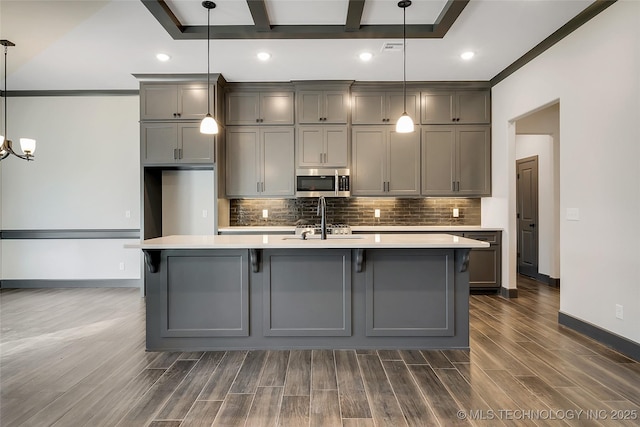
[[188, 205], [542, 146], [594, 73], [86, 176]]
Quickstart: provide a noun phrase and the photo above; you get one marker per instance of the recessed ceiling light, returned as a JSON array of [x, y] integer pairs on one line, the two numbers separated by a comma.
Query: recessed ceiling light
[[467, 55], [264, 56], [163, 57], [366, 56]]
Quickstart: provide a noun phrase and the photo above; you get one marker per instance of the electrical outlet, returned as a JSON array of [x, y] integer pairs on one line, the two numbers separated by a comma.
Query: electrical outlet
[[265, 213], [376, 213], [205, 213], [573, 214], [456, 212], [121, 266], [619, 312], [127, 214]]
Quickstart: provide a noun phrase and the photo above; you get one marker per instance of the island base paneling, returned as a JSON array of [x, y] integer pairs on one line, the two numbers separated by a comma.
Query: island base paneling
[[309, 298]]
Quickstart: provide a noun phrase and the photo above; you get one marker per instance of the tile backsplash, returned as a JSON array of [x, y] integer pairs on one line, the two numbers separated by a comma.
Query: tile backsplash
[[355, 211]]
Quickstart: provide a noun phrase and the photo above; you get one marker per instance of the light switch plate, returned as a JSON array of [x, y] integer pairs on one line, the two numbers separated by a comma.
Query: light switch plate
[[573, 214]]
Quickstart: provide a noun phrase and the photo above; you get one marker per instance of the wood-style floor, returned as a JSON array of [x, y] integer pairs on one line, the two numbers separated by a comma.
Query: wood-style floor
[[75, 357]]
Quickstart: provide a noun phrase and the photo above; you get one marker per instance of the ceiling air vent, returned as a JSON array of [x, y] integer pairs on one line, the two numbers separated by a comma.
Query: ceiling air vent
[[392, 47]]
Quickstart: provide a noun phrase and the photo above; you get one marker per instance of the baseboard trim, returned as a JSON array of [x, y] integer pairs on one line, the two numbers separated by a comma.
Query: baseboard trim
[[543, 278], [508, 292], [87, 283], [69, 234], [623, 345]]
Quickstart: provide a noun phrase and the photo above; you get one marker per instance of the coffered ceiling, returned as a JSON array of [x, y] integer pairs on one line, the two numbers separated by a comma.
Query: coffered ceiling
[[100, 44]]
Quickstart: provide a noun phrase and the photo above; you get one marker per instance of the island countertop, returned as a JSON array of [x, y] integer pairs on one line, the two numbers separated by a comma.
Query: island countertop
[[278, 241]]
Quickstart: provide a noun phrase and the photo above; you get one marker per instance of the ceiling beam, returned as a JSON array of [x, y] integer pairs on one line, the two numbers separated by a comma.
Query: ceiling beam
[[354, 15], [258, 10], [264, 30]]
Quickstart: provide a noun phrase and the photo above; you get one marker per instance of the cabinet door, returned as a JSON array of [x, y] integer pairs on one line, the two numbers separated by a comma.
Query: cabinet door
[[158, 102], [192, 101], [243, 162], [243, 108], [310, 107], [395, 106], [310, 146], [485, 264], [438, 151], [473, 107], [336, 105], [278, 161], [368, 108], [368, 161], [276, 108], [336, 146], [438, 108], [403, 163], [473, 164], [159, 143], [195, 147]]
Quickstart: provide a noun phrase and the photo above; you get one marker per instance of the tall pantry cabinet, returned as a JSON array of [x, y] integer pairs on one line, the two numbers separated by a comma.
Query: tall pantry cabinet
[[180, 167]]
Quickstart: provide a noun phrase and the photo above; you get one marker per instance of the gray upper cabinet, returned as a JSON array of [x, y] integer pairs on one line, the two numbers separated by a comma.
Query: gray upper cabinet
[[260, 162], [373, 108], [186, 101], [259, 108], [323, 146], [456, 161], [384, 162], [328, 106], [168, 143], [462, 107]]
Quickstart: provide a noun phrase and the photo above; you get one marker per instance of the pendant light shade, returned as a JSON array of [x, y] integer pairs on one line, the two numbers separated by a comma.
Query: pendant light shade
[[208, 125], [27, 145], [405, 122]]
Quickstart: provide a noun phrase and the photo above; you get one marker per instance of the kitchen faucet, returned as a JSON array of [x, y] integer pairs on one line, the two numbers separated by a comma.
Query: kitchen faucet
[[322, 211]]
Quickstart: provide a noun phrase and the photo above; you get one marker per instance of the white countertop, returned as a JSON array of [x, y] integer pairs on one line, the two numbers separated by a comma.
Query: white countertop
[[279, 241], [359, 228]]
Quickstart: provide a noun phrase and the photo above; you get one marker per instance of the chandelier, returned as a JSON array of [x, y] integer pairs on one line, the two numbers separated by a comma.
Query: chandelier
[[27, 145]]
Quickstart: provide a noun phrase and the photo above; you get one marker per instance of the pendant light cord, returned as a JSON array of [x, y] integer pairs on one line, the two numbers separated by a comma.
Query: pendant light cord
[[404, 56], [208, 61], [6, 134]]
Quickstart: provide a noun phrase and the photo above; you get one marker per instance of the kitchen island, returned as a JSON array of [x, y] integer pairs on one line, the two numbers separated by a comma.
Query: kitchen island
[[383, 291]]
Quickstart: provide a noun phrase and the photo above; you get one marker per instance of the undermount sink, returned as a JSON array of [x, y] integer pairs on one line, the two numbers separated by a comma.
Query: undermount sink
[[329, 237]]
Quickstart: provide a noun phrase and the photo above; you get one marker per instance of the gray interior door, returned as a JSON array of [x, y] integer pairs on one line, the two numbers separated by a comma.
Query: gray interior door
[[527, 215]]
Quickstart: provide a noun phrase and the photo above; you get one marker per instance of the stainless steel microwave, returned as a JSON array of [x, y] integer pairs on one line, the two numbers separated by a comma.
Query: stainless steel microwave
[[323, 182]]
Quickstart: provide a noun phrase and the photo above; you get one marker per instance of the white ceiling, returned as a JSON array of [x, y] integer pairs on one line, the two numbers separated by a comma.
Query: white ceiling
[[96, 44]]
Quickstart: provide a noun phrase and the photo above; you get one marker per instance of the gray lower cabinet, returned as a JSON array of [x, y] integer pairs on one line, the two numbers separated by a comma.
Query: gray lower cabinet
[[460, 107], [307, 293], [410, 293], [323, 146], [485, 264], [260, 162], [456, 161], [384, 162], [167, 143], [205, 294]]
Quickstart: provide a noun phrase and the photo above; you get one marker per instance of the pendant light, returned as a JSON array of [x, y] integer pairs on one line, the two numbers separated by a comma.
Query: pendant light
[[208, 125], [27, 145], [405, 123]]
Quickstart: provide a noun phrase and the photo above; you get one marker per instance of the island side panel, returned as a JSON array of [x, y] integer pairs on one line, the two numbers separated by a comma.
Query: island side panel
[[307, 293], [410, 293]]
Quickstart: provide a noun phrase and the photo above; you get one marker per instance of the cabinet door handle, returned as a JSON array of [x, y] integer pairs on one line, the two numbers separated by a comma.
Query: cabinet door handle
[[257, 120], [257, 187], [180, 153], [175, 153], [178, 115], [263, 186]]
